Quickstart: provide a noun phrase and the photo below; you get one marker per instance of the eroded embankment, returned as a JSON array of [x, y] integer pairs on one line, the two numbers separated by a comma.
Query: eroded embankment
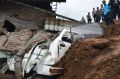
[[96, 58]]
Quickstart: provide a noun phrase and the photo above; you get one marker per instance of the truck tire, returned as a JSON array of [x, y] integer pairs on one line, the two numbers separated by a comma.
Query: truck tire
[[35, 76]]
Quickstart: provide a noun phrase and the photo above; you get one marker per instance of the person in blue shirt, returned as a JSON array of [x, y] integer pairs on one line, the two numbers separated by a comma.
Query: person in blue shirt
[[107, 14]]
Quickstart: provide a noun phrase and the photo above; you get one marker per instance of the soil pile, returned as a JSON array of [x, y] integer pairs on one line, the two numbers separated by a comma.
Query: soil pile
[[96, 58]]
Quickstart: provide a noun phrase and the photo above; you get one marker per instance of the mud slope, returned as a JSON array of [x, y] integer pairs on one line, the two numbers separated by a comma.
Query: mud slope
[[96, 58]]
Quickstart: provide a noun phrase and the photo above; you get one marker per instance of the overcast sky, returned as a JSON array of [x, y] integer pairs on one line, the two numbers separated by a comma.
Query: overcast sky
[[77, 8]]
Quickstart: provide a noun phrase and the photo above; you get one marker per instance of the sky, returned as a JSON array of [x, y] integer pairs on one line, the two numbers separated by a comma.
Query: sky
[[77, 8]]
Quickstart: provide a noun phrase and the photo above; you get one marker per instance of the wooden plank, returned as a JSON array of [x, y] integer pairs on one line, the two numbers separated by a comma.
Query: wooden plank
[[18, 67], [6, 76], [4, 69]]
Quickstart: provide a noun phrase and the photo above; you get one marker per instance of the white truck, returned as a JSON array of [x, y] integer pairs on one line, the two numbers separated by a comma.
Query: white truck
[[41, 58]]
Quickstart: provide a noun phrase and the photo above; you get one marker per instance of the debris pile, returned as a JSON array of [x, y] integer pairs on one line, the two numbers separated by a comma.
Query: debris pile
[[15, 39]]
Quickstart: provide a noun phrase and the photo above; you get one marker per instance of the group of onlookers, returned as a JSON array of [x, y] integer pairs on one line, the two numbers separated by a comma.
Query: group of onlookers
[[98, 14], [106, 12]]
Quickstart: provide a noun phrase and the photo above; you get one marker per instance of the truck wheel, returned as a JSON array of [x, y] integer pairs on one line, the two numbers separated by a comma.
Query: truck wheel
[[35, 76]]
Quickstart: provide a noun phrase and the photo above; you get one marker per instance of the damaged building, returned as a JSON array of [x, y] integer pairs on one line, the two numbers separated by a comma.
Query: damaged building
[[26, 13]]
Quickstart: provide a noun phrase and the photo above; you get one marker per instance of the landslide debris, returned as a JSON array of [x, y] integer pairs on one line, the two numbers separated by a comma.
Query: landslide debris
[[95, 58]]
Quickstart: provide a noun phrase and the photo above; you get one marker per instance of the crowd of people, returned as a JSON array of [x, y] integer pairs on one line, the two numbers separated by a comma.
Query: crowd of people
[[107, 12]]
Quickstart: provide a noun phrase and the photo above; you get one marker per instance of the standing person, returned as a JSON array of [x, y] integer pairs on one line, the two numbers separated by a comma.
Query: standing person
[[89, 17], [94, 14], [98, 15], [83, 20], [114, 8], [106, 10], [102, 12], [119, 11]]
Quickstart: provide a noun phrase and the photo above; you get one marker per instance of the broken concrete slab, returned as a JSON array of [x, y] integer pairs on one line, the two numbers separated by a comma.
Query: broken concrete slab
[[15, 40]]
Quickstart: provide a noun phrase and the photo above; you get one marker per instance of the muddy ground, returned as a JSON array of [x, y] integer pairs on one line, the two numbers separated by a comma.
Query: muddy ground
[[96, 58]]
